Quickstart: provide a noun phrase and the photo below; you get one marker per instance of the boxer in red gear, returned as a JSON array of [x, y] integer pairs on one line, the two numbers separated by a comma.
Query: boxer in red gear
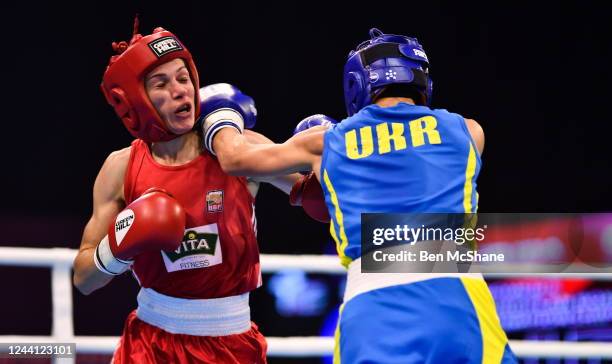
[[193, 303]]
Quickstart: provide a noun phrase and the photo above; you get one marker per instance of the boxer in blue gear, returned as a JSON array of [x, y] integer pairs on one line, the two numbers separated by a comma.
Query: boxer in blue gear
[[392, 154]]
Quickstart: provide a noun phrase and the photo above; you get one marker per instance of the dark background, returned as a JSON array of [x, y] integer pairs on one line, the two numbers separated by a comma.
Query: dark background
[[534, 74]]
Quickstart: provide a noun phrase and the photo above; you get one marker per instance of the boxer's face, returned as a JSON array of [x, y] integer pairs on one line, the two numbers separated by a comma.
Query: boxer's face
[[172, 93]]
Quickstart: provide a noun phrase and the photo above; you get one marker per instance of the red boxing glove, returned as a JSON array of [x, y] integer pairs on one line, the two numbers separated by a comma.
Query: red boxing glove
[[154, 221], [307, 192]]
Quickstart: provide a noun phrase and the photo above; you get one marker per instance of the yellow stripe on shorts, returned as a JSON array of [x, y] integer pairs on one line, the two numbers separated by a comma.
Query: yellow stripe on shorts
[[494, 338], [337, 337]]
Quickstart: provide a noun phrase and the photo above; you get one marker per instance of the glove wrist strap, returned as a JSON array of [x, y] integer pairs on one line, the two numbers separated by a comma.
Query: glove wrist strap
[[106, 262], [217, 120]]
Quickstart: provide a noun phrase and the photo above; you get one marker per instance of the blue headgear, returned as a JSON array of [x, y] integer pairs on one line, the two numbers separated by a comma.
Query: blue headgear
[[383, 60]]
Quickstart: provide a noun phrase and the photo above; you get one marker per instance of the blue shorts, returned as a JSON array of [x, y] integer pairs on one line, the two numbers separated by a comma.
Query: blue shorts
[[441, 320]]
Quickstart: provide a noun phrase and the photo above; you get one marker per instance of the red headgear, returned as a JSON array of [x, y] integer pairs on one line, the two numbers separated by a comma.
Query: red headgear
[[123, 83]]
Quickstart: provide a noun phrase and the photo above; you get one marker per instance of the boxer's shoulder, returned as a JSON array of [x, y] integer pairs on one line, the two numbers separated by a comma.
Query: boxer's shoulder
[[117, 161], [119, 157], [109, 182]]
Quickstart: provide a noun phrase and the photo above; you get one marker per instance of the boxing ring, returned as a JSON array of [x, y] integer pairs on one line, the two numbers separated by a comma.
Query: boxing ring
[[60, 260]]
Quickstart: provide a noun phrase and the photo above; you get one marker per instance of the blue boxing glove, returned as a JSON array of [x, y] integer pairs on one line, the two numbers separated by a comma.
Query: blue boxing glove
[[314, 120], [307, 191], [221, 106]]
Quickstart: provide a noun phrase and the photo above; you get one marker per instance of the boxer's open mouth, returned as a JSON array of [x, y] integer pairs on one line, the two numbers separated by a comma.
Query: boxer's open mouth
[[183, 109]]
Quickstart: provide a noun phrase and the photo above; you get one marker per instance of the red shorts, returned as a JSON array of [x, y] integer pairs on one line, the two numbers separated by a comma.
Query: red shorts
[[144, 343]]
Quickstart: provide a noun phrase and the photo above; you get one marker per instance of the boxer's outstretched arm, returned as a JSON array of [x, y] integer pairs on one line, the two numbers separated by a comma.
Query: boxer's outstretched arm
[[237, 156], [108, 200], [284, 182]]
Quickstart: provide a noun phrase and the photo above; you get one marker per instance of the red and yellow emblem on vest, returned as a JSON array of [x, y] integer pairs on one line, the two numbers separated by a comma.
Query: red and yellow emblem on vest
[[214, 201]]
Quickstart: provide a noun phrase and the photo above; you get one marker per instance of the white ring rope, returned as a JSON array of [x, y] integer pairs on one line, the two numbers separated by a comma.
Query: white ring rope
[[306, 346], [60, 261]]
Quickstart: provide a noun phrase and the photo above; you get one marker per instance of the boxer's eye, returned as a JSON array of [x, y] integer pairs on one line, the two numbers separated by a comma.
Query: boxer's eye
[[182, 73]]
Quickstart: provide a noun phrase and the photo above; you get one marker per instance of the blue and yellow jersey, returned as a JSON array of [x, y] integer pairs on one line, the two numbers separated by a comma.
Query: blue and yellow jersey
[[404, 158]]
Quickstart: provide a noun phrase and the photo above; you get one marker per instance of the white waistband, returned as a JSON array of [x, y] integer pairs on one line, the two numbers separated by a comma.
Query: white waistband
[[203, 317], [358, 282]]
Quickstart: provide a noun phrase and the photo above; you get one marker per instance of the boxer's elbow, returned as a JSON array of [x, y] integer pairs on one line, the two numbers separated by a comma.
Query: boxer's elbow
[[87, 285], [87, 278], [81, 284], [84, 290]]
